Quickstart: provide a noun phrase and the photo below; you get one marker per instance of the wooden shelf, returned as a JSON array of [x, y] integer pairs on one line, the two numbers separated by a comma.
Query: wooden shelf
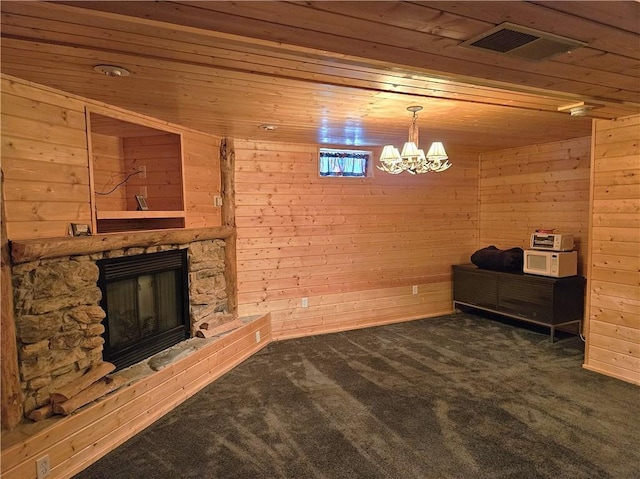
[[136, 215]]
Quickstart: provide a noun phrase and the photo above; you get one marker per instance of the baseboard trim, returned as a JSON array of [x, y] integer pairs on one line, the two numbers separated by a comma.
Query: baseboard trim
[[352, 325], [626, 375]]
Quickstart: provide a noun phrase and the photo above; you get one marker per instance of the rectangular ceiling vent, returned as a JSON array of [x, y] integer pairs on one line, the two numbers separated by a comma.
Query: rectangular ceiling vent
[[521, 42]]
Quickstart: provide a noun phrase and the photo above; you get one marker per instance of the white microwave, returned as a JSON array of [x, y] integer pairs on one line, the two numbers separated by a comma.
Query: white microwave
[[556, 264]]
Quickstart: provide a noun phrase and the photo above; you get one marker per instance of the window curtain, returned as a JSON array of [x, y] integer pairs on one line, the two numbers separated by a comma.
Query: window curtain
[[343, 163]]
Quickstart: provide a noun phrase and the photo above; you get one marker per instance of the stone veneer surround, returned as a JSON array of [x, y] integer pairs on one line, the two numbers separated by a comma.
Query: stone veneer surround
[[59, 320]]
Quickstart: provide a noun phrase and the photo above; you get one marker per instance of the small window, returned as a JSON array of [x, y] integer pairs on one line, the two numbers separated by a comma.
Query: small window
[[344, 163]]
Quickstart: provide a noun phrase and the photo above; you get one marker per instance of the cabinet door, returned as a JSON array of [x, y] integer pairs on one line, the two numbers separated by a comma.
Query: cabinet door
[[568, 299], [527, 297], [479, 288]]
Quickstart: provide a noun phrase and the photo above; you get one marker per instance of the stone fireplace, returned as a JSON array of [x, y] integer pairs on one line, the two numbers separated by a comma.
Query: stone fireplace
[[60, 314]]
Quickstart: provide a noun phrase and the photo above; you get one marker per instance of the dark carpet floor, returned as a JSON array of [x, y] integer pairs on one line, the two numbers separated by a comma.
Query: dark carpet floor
[[458, 396]]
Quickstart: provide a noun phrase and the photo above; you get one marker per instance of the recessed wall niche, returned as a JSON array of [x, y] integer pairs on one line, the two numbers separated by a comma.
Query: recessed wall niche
[[134, 166]]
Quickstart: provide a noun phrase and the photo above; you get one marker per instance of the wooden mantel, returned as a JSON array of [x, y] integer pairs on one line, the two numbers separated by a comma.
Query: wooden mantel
[[30, 250]]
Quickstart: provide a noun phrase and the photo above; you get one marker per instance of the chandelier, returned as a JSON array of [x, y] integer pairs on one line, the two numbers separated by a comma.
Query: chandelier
[[413, 159]]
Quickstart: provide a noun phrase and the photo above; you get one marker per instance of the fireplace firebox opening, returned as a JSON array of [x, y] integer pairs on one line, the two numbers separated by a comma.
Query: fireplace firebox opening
[[146, 300]]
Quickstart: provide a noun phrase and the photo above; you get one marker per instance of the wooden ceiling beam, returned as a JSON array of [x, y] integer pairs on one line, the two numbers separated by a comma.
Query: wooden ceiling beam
[[391, 82], [459, 64]]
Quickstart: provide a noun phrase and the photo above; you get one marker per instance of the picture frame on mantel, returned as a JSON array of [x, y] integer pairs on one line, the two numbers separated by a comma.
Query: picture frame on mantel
[[79, 229]]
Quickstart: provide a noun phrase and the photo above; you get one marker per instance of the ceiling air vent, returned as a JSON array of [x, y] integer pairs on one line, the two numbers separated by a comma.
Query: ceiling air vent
[[521, 42]]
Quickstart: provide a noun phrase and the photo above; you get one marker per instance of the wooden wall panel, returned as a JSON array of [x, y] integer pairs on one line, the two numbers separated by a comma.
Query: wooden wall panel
[[201, 159], [44, 162], [539, 186], [613, 327], [160, 155], [353, 246], [108, 171]]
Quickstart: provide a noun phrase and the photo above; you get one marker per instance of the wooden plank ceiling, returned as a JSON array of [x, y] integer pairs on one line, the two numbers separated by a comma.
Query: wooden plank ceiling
[[335, 73]]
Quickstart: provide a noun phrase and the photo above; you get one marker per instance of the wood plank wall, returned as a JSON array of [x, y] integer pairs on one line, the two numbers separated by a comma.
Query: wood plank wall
[[354, 247], [613, 330], [46, 170], [161, 155], [44, 161], [538, 186], [108, 170], [202, 179]]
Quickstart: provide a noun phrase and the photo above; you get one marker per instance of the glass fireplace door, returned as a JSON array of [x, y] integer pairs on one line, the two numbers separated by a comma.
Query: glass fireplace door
[[145, 298]]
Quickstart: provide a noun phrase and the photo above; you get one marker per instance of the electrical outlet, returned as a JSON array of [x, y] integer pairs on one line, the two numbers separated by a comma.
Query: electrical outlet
[[415, 289], [43, 467], [257, 336], [217, 201], [305, 302], [143, 171]]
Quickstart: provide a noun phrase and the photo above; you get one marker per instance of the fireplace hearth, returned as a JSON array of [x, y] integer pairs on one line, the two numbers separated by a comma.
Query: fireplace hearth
[[146, 300]]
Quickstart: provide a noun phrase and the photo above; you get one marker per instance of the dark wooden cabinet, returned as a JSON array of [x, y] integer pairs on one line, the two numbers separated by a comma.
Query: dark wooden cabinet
[[546, 301]]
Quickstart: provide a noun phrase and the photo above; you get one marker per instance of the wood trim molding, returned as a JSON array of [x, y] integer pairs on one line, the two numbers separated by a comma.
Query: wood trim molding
[[586, 321]]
